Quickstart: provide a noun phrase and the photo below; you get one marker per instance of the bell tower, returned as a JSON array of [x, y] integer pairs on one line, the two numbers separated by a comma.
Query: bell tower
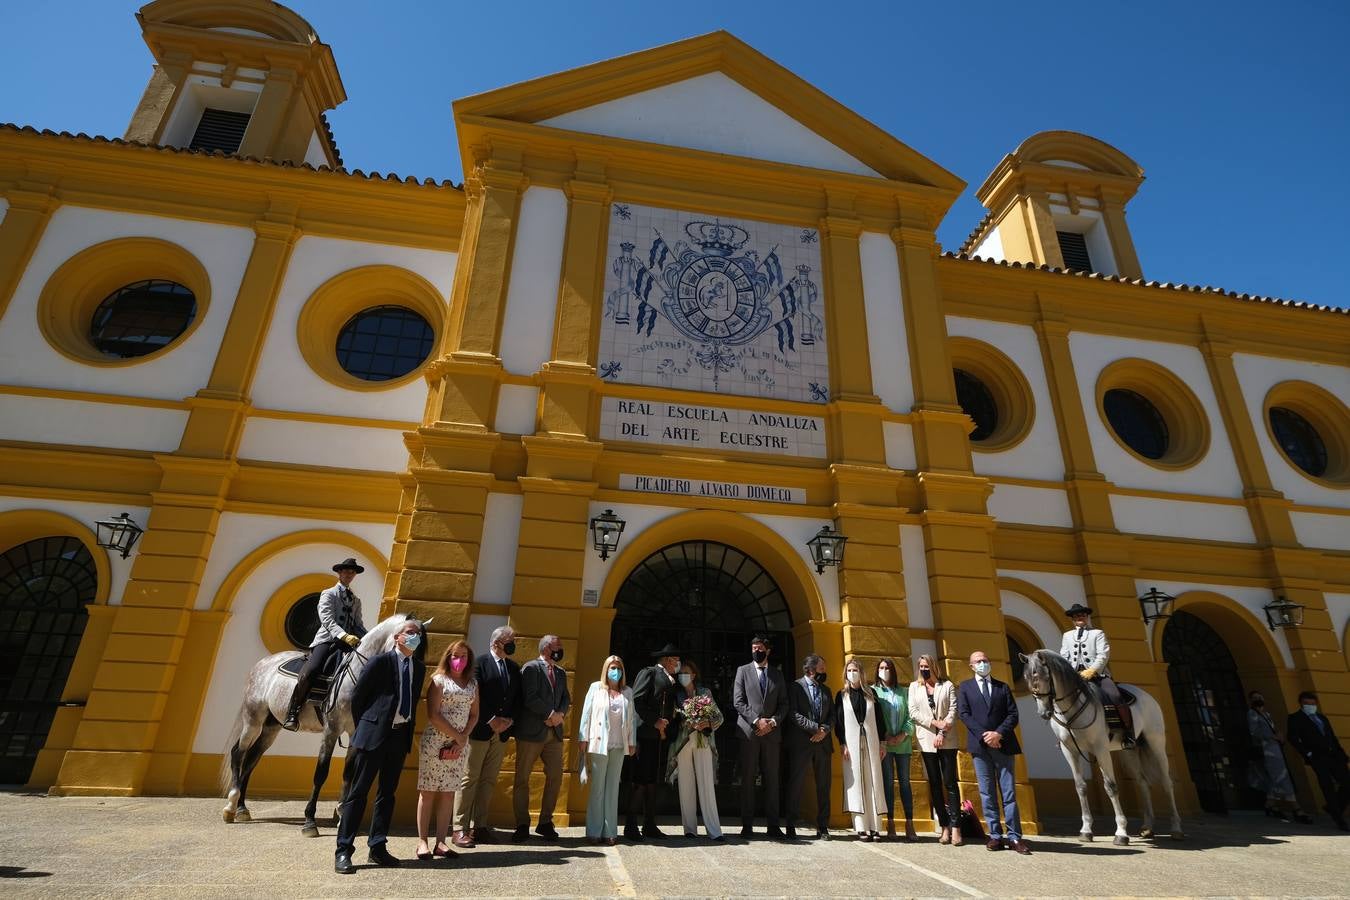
[[240, 76], [1059, 200]]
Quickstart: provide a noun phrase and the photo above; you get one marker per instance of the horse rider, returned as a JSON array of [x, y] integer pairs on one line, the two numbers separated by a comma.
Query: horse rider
[[1087, 650], [340, 630]]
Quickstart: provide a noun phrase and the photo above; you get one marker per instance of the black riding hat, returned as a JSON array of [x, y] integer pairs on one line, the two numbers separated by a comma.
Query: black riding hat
[[349, 563], [1078, 609], [668, 650]]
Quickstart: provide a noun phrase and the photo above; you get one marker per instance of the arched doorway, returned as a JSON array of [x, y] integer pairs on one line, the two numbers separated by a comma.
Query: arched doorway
[[45, 585], [709, 599], [1211, 707]]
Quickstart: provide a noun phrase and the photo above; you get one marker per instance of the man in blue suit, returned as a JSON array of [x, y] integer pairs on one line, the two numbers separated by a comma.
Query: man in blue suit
[[986, 707], [384, 707]]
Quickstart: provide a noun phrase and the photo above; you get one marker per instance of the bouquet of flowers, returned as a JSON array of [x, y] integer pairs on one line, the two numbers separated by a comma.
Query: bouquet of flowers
[[700, 710]]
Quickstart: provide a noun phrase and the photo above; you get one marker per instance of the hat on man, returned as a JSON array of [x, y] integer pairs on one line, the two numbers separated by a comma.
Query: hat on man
[[668, 650], [1078, 609], [350, 563]]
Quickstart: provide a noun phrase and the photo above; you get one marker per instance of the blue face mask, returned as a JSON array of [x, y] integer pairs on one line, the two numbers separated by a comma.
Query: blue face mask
[[615, 673], [1310, 708], [686, 679], [982, 668], [412, 642]]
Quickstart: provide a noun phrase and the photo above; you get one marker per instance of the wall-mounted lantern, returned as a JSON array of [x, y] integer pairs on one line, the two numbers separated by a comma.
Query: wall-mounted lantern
[[1155, 604], [827, 548], [119, 533], [606, 528], [1281, 613]]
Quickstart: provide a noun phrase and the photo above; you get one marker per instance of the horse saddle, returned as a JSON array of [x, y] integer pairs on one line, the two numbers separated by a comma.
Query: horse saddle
[[322, 681], [1113, 721]]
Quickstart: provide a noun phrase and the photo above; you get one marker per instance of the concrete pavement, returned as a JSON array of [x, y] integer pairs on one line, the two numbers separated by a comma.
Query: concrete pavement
[[179, 847]]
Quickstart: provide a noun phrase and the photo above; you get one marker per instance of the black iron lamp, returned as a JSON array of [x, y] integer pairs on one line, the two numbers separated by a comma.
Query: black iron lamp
[[119, 533], [1155, 605], [606, 528], [1281, 613], [827, 548]]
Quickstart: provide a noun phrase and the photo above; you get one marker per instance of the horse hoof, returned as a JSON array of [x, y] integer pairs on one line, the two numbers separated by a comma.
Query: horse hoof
[[310, 830], [1178, 836], [228, 815], [1085, 836], [1121, 840], [1146, 834], [242, 816]]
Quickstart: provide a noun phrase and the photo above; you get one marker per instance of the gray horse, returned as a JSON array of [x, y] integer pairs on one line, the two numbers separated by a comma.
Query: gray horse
[[267, 693], [1074, 709]]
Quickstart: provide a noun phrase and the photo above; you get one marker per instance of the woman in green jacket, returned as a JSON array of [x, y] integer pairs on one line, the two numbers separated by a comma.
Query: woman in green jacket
[[893, 699]]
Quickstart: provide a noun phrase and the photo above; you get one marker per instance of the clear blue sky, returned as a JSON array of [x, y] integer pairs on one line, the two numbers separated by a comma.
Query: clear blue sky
[[1239, 111]]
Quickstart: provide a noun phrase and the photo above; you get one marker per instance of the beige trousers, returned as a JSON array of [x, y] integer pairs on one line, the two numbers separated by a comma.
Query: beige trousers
[[474, 798], [527, 753]]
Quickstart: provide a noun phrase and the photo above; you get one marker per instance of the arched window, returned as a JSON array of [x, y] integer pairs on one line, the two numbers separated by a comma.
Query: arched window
[[1137, 422], [383, 343], [142, 317], [302, 621], [1299, 440], [978, 402]]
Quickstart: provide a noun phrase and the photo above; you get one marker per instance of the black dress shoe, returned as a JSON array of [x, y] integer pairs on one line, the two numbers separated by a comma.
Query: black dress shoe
[[651, 831], [632, 833], [381, 856], [343, 864], [775, 833], [521, 834], [547, 832], [792, 834], [746, 831], [823, 834]]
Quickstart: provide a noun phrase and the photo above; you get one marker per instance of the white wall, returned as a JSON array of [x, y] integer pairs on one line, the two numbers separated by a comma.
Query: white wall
[[714, 113], [888, 345], [1321, 530], [1038, 455], [1249, 599], [238, 534], [1257, 375], [1214, 475], [1066, 589], [1183, 519], [1045, 758], [316, 444], [899, 440], [517, 409], [495, 580], [179, 372], [991, 247], [285, 381], [315, 154], [41, 420], [1030, 506], [918, 601], [119, 569], [532, 292], [1338, 607]]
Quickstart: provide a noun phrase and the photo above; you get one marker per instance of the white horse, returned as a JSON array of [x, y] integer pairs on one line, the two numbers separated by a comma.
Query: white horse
[[267, 695], [1077, 717]]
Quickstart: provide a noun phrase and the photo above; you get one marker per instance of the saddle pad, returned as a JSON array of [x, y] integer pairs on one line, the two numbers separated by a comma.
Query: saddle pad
[[1126, 698], [293, 666]]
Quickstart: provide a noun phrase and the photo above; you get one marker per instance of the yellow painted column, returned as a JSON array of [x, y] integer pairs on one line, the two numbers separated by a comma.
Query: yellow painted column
[[31, 205], [275, 105], [1118, 232]]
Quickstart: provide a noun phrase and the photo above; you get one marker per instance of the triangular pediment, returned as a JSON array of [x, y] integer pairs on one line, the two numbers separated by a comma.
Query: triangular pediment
[[712, 93]]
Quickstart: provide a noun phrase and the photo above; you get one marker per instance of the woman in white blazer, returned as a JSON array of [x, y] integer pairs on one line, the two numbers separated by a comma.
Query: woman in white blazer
[[932, 707], [607, 734]]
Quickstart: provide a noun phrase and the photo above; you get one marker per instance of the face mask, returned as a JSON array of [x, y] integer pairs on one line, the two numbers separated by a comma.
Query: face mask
[[615, 674], [557, 655], [509, 648], [686, 679], [925, 673], [982, 668], [820, 677], [885, 675], [1257, 704], [759, 656], [412, 642], [854, 677], [1310, 708], [458, 663]]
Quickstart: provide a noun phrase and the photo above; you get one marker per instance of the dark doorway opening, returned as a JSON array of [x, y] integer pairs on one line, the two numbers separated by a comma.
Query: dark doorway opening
[[709, 599], [1211, 710], [45, 586]]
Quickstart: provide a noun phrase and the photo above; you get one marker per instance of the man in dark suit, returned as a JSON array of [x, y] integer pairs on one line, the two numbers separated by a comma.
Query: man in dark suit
[[810, 743], [1311, 737], [384, 708], [499, 697], [760, 697], [986, 707], [539, 736], [654, 702]]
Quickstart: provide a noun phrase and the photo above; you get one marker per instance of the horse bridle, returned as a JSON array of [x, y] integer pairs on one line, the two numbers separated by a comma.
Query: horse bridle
[[1056, 715]]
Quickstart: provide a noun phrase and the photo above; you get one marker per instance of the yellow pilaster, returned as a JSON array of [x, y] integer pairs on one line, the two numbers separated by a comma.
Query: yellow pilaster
[[265, 127], [1122, 244], [31, 205]]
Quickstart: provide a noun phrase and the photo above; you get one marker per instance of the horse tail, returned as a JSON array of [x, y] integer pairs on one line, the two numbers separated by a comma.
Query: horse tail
[[227, 758]]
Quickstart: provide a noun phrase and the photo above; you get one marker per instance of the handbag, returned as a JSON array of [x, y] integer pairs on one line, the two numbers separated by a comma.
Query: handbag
[[969, 823]]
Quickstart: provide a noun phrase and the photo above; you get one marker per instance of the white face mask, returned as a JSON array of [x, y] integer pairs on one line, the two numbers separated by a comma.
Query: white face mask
[[686, 679], [1310, 708], [854, 677], [982, 668], [884, 675]]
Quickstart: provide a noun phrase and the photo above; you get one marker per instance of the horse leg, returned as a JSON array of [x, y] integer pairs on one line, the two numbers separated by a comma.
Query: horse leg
[[249, 731], [311, 827], [1163, 776], [1082, 774], [1132, 762], [251, 759], [1113, 791]]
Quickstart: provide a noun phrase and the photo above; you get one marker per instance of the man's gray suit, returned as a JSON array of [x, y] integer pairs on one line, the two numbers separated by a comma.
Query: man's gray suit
[[760, 755]]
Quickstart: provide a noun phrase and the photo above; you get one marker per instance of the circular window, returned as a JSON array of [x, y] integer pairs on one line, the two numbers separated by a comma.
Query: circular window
[[302, 621], [1152, 414], [993, 392], [383, 342], [1299, 440], [978, 402], [142, 317], [1136, 421]]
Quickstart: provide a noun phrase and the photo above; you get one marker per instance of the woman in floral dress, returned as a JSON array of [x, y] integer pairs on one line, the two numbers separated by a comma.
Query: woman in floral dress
[[452, 711]]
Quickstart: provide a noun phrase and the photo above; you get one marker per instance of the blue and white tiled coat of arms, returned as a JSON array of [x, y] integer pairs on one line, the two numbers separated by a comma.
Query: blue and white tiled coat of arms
[[722, 305]]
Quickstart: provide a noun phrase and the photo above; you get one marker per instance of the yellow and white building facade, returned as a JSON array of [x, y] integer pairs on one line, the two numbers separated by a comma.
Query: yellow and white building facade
[[682, 285]]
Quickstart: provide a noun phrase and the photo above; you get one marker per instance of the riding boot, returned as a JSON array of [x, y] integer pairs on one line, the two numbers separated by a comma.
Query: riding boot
[[1126, 725], [298, 697]]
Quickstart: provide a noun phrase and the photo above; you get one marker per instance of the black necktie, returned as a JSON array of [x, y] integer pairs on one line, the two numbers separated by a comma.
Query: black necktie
[[763, 681], [815, 700], [984, 688], [405, 695], [506, 679]]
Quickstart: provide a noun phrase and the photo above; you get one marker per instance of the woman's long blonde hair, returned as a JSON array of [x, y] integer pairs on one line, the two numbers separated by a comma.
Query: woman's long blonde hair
[[862, 678], [938, 675], [613, 660], [443, 667]]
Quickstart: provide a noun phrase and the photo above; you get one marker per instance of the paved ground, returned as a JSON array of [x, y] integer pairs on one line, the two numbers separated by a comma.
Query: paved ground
[[179, 848]]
